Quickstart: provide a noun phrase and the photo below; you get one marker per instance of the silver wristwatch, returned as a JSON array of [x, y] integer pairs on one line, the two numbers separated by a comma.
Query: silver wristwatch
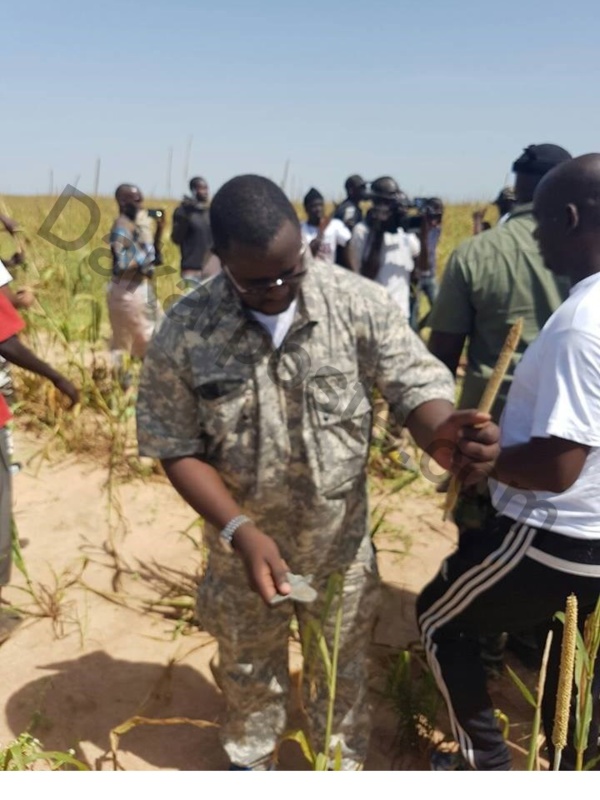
[[226, 535]]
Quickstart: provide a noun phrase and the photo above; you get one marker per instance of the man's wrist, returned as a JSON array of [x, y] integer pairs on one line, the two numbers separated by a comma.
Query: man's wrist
[[227, 534]]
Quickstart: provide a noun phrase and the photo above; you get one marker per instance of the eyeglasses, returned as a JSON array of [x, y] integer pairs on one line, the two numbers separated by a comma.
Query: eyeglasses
[[260, 286]]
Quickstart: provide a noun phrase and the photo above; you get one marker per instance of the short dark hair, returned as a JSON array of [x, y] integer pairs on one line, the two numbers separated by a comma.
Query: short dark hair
[[196, 180], [249, 209]]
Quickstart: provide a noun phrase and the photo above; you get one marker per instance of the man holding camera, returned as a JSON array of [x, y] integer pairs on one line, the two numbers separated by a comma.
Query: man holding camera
[[424, 276], [132, 305], [380, 248]]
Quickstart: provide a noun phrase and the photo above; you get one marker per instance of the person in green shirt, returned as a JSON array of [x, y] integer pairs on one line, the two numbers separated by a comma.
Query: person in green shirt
[[490, 281]]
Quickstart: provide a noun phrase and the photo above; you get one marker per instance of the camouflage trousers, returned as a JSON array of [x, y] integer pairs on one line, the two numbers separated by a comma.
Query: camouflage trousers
[[252, 667], [5, 509]]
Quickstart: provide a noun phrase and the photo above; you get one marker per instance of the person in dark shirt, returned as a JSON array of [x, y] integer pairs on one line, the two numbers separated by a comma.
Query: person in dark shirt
[[191, 231], [349, 211]]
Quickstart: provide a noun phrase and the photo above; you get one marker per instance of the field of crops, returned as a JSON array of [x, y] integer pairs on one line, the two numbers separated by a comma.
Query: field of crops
[[68, 265]]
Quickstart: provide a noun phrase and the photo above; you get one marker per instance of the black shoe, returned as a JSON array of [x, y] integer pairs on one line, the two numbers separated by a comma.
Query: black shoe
[[442, 761]]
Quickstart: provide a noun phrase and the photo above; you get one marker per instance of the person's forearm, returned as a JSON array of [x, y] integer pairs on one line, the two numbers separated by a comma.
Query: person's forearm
[[425, 420], [202, 488], [19, 355], [179, 230], [544, 465], [8, 223], [372, 256]]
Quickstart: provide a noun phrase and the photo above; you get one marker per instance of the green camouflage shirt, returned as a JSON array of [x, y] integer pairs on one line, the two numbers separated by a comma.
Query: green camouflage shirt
[[489, 281], [288, 430]]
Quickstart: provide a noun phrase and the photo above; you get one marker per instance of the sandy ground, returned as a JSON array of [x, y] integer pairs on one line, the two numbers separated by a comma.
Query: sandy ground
[[104, 657]]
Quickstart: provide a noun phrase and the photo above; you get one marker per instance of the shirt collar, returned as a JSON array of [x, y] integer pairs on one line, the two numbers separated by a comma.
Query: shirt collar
[[521, 209], [585, 283], [312, 304]]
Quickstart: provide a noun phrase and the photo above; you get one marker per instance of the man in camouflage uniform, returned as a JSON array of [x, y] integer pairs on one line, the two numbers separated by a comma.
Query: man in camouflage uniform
[[256, 396]]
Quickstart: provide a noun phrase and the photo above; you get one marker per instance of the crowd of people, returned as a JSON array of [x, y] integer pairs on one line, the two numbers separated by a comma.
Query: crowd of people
[[256, 395]]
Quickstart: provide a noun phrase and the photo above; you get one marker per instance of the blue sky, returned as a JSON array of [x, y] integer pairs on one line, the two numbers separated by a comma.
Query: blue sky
[[443, 96]]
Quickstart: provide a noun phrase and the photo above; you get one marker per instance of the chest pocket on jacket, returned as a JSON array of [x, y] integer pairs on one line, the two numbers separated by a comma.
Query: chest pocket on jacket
[[228, 417], [340, 428]]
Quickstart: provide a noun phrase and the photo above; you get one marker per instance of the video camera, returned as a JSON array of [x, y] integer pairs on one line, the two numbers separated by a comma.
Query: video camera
[[401, 211]]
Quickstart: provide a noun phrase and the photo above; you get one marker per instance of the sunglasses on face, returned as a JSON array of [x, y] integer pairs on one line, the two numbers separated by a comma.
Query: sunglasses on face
[[260, 286]]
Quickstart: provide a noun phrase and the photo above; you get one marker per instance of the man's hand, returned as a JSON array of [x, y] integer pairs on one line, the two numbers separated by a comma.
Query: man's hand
[[478, 219], [67, 388], [11, 226], [379, 216], [263, 563], [315, 244], [16, 259], [467, 444], [24, 298]]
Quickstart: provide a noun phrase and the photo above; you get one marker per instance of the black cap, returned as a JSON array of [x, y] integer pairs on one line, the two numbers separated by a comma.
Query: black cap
[[354, 182], [434, 205], [538, 159], [385, 188], [312, 194]]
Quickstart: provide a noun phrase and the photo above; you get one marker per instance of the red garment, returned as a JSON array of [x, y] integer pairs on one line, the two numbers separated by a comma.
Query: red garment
[[10, 324]]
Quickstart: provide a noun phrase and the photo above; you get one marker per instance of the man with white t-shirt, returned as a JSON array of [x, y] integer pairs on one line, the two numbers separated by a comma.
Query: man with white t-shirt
[[323, 235], [381, 249], [544, 543]]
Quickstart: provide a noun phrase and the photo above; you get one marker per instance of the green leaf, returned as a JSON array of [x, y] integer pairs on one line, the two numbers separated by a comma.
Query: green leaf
[[504, 721], [521, 687], [321, 763], [300, 738], [57, 759], [17, 554], [17, 756], [337, 757]]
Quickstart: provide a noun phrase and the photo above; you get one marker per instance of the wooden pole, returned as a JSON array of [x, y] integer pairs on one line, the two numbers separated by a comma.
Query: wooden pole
[[488, 398], [169, 171], [97, 177], [286, 169], [186, 161]]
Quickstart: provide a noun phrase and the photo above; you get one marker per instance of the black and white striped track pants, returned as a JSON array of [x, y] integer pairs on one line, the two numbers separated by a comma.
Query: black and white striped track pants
[[507, 577]]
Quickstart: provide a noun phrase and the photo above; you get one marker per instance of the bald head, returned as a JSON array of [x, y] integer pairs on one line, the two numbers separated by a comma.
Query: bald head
[[129, 199], [567, 210]]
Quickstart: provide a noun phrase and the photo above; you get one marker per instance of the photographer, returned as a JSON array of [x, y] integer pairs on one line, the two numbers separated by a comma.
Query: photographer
[[424, 276], [380, 248], [191, 232], [132, 305]]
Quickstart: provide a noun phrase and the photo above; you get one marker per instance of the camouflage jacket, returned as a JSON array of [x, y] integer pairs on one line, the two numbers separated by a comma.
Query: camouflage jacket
[[288, 430]]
